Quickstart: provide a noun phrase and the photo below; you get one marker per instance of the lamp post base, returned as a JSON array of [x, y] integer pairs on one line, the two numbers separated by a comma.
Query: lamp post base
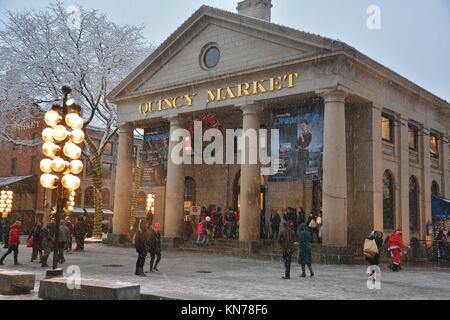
[[54, 273]]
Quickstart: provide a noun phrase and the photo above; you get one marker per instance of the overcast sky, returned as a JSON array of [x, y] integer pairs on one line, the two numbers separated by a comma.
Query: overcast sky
[[414, 39]]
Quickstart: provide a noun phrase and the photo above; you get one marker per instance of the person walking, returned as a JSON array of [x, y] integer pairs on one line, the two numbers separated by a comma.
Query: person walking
[[64, 235], [305, 251], [301, 216], [229, 221], [48, 240], [155, 246], [6, 226], [275, 221], [37, 245], [286, 241], [141, 238], [207, 226], [373, 253], [217, 216], [80, 233], [396, 248], [68, 223], [13, 243]]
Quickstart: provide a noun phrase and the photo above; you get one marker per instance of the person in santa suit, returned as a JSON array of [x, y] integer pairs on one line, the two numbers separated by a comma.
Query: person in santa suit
[[396, 248]]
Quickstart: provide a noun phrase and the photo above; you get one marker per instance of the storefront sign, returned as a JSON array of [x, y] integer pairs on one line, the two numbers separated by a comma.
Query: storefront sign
[[245, 89], [26, 126]]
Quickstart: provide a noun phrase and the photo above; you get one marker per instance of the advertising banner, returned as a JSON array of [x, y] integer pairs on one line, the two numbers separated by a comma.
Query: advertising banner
[[301, 143], [156, 151]]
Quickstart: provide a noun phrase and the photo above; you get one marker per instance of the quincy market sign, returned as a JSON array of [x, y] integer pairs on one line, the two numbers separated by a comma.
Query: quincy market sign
[[240, 90]]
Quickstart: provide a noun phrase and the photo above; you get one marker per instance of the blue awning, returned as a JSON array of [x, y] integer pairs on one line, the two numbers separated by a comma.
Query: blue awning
[[440, 208]]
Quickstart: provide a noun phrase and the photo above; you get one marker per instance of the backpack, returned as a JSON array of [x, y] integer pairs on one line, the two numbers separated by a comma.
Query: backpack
[[370, 248], [230, 216]]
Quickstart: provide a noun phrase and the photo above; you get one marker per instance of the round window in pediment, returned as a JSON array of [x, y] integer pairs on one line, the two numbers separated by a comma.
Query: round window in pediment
[[210, 56]]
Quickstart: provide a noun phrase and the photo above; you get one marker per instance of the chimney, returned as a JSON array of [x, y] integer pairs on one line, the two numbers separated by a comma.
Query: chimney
[[260, 9]]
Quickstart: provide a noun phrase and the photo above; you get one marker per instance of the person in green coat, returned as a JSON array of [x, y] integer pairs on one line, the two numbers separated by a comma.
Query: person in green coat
[[305, 254]]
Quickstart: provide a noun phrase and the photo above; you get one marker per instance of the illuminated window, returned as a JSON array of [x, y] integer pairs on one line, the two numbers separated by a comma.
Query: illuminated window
[[388, 201], [414, 218], [413, 138], [434, 146], [189, 193], [106, 170], [108, 149], [387, 128]]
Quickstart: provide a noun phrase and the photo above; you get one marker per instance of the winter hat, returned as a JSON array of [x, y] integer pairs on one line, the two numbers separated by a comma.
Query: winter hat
[[208, 219], [157, 225]]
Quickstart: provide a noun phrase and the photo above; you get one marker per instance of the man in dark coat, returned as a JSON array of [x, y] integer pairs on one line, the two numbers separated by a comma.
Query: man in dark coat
[[304, 141], [305, 251], [6, 227], [217, 217], [154, 246], [80, 233], [286, 241], [275, 221]]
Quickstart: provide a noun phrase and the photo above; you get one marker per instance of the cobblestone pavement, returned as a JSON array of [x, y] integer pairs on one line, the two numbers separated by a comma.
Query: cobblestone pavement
[[199, 276]]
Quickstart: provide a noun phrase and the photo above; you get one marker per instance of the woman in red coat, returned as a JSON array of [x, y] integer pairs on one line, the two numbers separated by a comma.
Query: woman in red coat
[[396, 248], [14, 241]]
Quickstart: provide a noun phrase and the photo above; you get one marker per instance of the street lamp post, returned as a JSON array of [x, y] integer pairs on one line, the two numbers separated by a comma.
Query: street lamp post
[[62, 165]]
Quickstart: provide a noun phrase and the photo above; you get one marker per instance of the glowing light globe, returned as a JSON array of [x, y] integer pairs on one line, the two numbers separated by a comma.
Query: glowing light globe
[[60, 133], [50, 150], [47, 135], [71, 182], [52, 118], [72, 151], [46, 165], [77, 136], [49, 181], [58, 165], [76, 167], [74, 121]]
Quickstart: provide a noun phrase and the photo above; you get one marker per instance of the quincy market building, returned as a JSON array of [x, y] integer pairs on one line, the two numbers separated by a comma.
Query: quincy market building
[[377, 144]]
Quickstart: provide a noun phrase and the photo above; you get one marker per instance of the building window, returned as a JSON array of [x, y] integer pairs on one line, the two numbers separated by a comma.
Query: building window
[[108, 151], [106, 170], [14, 166], [435, 189], [434, 145], [388, 201], [189, 193], [413, 138], [414, 218], [33, 165], [106, 197], [78, 193], [88, 166], [387, 128], [210, 56], [89, 197]]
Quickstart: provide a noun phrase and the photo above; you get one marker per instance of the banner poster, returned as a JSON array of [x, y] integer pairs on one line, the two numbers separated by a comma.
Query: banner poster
[[301, 143], [155, 156]]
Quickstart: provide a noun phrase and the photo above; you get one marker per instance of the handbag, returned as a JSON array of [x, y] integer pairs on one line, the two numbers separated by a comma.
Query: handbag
[[370, 248], [312, 224], [31, 241]]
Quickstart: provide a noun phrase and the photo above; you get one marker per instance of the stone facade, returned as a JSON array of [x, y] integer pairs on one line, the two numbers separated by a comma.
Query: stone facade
[[355, 92]]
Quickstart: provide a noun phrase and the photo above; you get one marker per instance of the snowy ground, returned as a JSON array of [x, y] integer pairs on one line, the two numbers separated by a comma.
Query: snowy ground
[[237, 278]]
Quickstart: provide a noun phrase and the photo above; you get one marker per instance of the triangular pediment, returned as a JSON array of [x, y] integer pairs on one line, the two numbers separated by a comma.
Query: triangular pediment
[[245, 43]]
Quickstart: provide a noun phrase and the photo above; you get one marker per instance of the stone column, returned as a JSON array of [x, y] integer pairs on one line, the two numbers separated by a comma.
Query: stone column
[[250, 180], [445, 183], [425, 186], [404, 176], [124, 181], [377, 160], [174, 208], [335, 170]]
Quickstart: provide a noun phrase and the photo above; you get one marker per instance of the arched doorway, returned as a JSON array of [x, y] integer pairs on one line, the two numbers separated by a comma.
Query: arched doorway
[[237, 193]]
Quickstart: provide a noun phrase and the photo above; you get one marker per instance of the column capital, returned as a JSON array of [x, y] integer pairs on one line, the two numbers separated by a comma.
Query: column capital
[[251, 109], [125, 128], [334, 95], [175, 121]]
